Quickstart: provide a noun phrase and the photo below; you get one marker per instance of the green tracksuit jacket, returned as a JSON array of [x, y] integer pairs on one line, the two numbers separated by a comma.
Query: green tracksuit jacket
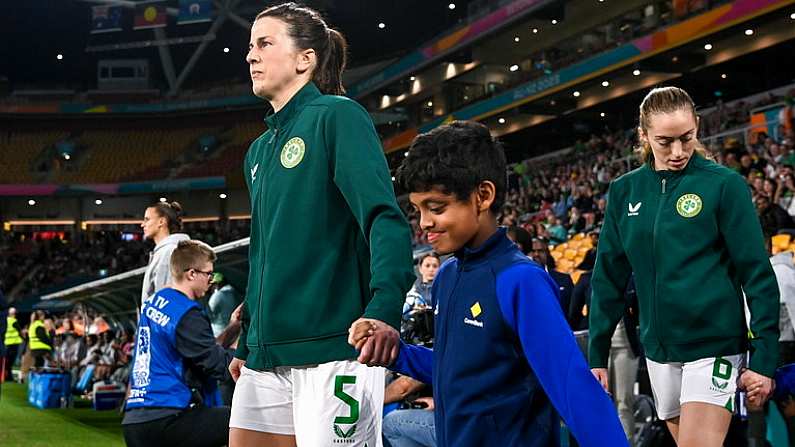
[[329, 243], [694, 242]]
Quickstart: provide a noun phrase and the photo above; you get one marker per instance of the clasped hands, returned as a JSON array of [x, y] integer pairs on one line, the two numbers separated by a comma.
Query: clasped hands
[[377, 342]]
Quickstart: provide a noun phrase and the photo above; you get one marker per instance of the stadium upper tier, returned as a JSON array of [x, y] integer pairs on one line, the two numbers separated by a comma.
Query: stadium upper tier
[[117, 151], [139, 154], [519, 51], [19, 149]]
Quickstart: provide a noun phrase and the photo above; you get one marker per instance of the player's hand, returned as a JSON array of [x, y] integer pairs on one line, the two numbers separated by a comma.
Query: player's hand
[[601, 377], [381, 348], [234, 368], [758, 388], [237, 315], [359, 331], [428, 401]]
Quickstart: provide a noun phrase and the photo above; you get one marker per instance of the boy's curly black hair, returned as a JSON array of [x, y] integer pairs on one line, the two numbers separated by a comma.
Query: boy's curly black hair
[[455, 158]]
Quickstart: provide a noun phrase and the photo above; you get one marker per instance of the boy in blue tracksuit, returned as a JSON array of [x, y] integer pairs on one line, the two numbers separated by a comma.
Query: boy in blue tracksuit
[[504, 355]]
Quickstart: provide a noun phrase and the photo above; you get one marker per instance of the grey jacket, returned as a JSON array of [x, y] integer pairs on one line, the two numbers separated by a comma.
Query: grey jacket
[[784, 268], [158, 272]]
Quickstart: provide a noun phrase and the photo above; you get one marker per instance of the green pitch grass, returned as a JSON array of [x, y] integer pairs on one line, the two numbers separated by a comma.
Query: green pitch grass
[[23, 425]]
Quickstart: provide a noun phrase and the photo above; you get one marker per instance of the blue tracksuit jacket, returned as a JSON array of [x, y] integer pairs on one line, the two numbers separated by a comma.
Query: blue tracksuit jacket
[[504, 356]]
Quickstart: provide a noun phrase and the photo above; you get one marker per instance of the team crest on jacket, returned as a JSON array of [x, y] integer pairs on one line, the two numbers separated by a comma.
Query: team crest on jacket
[[293, 152], [689, 205]]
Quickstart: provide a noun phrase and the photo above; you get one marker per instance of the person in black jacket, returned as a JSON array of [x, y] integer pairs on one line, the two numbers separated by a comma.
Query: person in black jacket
[[538, 251], [625, 348], [577, 313], [772, 217], [624, 357]]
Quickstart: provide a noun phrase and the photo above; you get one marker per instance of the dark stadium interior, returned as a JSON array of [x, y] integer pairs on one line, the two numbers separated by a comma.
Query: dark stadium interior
[[67, 25]]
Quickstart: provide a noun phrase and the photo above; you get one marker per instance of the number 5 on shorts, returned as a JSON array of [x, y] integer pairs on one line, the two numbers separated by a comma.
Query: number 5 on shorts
[[352, 403]]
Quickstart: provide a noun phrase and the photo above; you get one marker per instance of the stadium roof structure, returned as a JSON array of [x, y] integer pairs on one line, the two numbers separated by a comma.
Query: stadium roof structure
[[119, 295], [60, 50]]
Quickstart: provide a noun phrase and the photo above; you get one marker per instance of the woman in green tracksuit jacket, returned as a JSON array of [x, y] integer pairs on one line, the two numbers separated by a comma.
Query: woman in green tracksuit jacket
[[687, 228], [329, 245]]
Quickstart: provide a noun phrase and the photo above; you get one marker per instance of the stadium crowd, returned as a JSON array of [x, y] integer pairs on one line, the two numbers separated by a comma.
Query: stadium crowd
[[558, 197], [31, 265], [75, 341]]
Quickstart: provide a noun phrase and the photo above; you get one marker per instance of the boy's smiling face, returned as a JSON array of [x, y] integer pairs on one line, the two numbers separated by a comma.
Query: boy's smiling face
[[451, 223]]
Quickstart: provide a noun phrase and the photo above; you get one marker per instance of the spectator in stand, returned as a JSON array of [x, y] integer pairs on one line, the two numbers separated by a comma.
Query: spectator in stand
[[576, 221], [412, 423], [107, 357], [92, 353], [772, 217], [557, 233], [419, 296], [785, 190], [768, 189], [577, 314], [538, 251]]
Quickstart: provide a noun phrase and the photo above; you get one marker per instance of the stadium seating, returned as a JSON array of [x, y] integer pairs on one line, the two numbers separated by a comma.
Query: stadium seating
[[568, 255], [124, 155], [115, 156], [19, 150], [228, 158]]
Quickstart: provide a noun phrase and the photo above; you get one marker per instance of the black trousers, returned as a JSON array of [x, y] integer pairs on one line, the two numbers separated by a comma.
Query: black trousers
[[39, 356], [11, 357], [199, 427]]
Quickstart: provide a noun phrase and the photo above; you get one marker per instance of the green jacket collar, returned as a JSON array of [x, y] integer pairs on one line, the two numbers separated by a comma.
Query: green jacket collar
[[695, 160], [294, 106]]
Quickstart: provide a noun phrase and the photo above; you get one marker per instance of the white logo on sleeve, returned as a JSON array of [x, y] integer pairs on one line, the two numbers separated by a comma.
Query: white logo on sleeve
[[254, 172], [633, 209], [140, 375]]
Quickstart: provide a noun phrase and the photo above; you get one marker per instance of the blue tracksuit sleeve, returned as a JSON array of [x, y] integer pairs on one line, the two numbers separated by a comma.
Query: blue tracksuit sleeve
[[529, 304], [415, 362]]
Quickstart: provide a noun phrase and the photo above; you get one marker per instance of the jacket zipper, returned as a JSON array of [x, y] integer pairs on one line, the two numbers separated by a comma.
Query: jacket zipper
[[654, 266], [261, 338], [440, 406]]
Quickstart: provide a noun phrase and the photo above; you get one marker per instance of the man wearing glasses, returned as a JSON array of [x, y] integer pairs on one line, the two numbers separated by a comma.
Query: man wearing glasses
[[177, 361]]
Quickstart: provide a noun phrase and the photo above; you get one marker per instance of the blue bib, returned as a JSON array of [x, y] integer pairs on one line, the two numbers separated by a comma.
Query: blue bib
[[157, 376]]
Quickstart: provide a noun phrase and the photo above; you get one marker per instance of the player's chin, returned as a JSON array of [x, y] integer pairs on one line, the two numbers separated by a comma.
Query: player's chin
[[442, 248], [259, 90]]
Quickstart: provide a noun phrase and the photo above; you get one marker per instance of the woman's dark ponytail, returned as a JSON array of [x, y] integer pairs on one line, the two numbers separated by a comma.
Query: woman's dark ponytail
[[328, 75]]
